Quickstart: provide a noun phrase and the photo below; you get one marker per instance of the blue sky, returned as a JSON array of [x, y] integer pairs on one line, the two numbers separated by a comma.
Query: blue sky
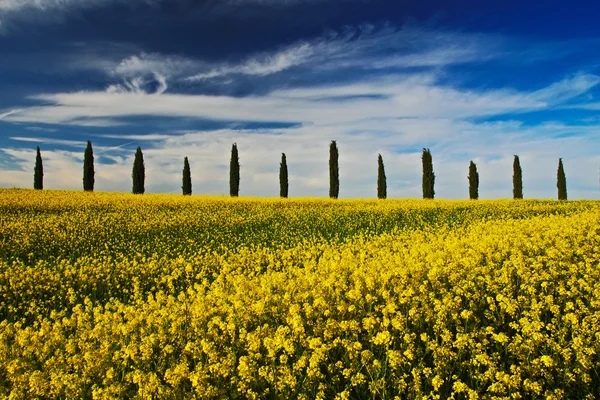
[[471, 80]]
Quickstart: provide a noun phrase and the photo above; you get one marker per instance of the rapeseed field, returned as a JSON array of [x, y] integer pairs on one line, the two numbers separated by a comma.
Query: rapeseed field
[[162, 296]]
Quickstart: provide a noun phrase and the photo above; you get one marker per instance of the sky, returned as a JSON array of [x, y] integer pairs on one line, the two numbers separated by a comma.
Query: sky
[[468, 79]]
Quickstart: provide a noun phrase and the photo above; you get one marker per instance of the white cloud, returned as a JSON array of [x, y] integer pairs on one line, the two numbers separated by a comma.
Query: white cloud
[[436, 57], [14, 5], [263, 64], [390, 97], [453, 144], [12, 11], [138, 73], [98, 150], [40, 129], [175, 67], [146, 137], [593, 106], [35, 8], [140, 85], [6, 114], [155, 63], [568, 88], [367, 47], [62, 142]]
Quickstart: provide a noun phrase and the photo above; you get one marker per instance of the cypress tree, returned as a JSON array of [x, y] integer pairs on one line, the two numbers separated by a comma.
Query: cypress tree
[[428, 175], [561, 181], [334, 172], [234, 172], [381, 179], [88, 168], [187, 178], [38, 177], [283, 177], [139, 172], [473, 181], [517, 179]]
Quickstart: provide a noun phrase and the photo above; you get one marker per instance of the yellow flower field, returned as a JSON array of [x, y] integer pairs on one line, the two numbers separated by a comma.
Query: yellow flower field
[[162, 296]]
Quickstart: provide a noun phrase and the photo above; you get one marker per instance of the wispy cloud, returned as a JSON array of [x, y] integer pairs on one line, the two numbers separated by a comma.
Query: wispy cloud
[[264, 64], [592, 106], [45, 140], [147, 137], [437, 57], [367, 47], [15, 5], [26, 9], [568, 88], [149, 67], [148, 72], [150, 63], [70, 143], [104, 149], [394, 96], [39, 129], [8, 113], [157, 84], [19, 10]]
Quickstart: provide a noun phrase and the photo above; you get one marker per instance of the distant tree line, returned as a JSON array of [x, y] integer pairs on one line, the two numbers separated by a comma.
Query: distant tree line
[[138, 175]]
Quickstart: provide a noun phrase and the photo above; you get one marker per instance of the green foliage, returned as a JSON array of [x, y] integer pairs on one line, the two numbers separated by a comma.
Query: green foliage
[[381, 179], [517, 179], [473, 181], [139, 172], [88, 168], [334, 171], [428, 175], [187, 178], [561, 181], [234, 172], [38, 177], [283, 177]]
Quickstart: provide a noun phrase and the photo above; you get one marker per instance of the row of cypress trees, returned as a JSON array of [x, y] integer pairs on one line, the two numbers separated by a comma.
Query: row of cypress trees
[[138, 175]]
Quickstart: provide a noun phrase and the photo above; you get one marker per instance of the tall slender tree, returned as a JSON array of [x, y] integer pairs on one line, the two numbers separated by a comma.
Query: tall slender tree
[[283, 177], [38, 176], [334, 171], [187, 178], [561, 181], [517, 179], [88, 168], [234, 172], [381, 179], [428, 175], [473, 181], [139, 172]]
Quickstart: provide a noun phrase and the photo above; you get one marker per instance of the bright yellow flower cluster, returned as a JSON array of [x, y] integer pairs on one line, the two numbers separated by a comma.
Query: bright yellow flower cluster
[[122, 296]]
